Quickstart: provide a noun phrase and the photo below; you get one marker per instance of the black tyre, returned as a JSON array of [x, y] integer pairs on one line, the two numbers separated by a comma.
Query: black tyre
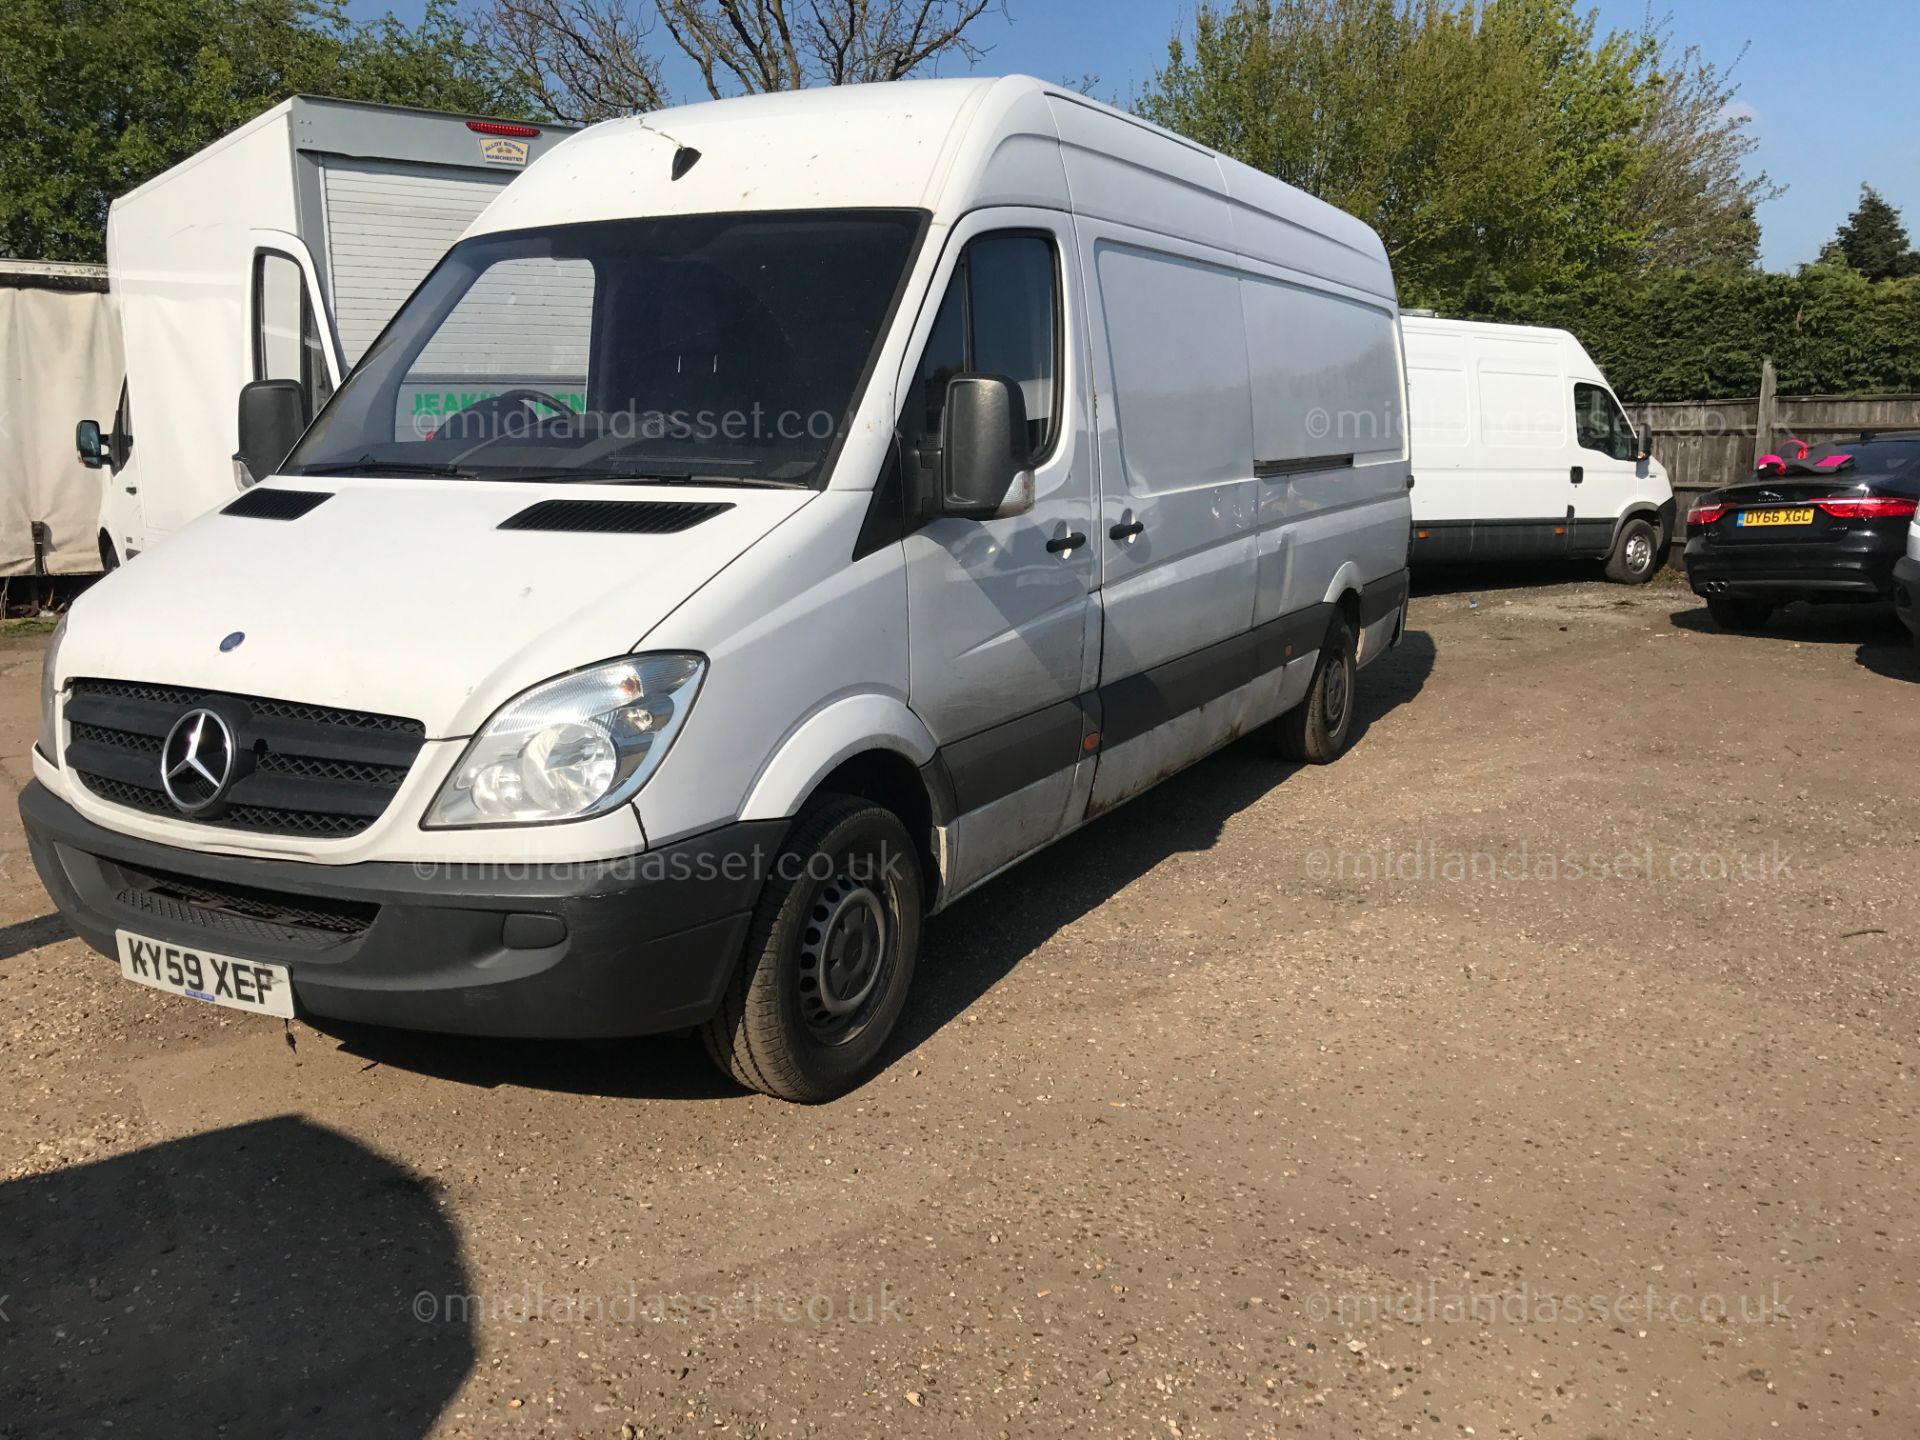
[[1733, 613], [1636, 556], [829, 956], [1315, 731]]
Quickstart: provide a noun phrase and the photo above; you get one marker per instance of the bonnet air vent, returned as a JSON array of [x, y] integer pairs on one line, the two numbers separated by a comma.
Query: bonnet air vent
[[615, 517], [276, 504]]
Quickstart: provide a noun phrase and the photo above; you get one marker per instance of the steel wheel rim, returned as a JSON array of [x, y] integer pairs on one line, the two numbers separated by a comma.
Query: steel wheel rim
[[846, 950], [1339, 692], [1639, 552]]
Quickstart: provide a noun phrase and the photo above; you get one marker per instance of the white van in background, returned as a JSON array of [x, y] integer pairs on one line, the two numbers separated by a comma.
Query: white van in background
[[1521, 452], [278, 252], [837, 595]]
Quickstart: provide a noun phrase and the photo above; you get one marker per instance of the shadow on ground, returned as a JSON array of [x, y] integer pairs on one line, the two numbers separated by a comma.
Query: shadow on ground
[[1881, 643], [969, 948], [25, 935], [965, 951], [261, 1280]]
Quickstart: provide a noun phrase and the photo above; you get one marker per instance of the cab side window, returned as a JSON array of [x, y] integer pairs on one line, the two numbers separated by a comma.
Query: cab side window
[[1000, 316], [1599, 424], [286, 332]]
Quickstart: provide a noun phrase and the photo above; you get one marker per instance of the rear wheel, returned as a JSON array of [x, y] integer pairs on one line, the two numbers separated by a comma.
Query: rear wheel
[[1636, 553], [1316, 730], [829, 956], [1732, 613]]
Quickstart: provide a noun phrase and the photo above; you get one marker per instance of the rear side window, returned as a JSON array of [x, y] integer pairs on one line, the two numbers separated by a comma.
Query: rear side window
[[1326, 378], [1599, 425], [1000, 316], [1177, 340], [286, 329]]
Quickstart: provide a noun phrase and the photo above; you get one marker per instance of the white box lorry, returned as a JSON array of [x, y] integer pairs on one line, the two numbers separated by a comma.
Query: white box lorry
[[279, 251]]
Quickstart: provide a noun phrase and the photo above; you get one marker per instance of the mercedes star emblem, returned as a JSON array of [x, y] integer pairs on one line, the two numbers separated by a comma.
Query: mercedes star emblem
[[196, 762]]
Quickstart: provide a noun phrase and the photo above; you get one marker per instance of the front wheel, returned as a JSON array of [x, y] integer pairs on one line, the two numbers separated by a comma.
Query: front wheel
[[829, 956], [1636, 553], [1316, 730]]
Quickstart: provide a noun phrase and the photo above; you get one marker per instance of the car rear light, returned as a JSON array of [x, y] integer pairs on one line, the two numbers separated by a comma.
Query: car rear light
[[1871, 507], [1705, 513], [501, 127]]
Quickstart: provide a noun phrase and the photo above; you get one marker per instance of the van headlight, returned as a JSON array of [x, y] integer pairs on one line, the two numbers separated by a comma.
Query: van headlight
[[576, 746], [50, 695]]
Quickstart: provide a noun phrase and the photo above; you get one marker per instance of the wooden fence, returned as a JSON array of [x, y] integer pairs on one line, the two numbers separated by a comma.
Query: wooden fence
[[1712, 442]]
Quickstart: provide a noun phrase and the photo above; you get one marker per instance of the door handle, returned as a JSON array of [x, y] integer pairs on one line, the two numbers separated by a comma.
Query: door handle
[[1060, 544], [1127, 531], [1579, 473]]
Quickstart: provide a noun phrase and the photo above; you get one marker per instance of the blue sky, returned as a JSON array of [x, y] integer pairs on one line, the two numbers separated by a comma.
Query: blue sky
[[1831, 88]]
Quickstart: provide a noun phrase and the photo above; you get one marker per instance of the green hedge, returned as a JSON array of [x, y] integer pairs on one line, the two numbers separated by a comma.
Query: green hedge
[[1701, 335]]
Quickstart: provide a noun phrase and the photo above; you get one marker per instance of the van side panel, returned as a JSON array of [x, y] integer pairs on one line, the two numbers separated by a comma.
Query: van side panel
[[1491, 412], [1329, 439]]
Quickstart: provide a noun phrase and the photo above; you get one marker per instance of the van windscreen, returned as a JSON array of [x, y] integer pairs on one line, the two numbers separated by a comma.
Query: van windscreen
[[709, 347]]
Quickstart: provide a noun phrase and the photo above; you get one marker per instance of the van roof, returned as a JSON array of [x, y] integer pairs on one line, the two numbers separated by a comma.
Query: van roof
[[1441, 325], [944, 146]]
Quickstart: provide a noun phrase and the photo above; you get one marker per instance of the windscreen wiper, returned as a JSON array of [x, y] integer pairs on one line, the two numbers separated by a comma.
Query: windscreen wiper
[[656, 477], [371, 465]]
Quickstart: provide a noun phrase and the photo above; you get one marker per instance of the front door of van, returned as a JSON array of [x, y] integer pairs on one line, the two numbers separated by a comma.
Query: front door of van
[[1610, 476], [1001, 619]]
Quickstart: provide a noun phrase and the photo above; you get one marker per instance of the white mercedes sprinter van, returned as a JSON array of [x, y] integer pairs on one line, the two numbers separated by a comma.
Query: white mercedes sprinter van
[[1521, 452], [945, 478]]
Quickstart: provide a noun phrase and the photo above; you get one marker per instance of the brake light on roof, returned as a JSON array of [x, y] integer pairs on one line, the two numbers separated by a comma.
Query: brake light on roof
[[1870, 507], [501, 127], [1705, 513]]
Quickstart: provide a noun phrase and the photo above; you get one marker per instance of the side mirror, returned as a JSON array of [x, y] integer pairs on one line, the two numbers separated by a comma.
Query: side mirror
[[984, 451], [92, 447], [1645, 451], [273, 413]]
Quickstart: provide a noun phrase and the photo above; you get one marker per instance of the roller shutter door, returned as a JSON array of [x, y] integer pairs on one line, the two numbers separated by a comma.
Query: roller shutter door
[[387, 225]]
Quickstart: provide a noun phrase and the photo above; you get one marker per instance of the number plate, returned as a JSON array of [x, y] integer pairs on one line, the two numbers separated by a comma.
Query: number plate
[[1798, 515], [200, 975]]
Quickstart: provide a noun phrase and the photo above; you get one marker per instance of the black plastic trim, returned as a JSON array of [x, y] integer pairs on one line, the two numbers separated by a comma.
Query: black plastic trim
[[1303, 465], [1382, 597], [264, 503], [995, 762], [616, 517], [643, 943]]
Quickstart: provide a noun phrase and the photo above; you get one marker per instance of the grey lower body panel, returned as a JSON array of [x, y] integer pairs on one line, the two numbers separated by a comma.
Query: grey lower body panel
[[627, 946]]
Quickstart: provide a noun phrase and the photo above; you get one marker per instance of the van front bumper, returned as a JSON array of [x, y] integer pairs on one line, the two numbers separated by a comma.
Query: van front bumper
[[632, 945]]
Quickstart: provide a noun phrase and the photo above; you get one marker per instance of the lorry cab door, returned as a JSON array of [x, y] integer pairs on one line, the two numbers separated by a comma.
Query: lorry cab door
[[1001, 620], [123, 524], [289, 333], [1610, 471]]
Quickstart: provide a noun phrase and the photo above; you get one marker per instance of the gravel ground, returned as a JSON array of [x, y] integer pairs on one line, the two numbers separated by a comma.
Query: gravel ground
[[1545, 1067]]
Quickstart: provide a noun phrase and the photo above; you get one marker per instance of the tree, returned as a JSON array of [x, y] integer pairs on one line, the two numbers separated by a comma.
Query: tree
[[1693, 190], [1874, 242], [1500, 147], [101, 95], [588, 59]]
